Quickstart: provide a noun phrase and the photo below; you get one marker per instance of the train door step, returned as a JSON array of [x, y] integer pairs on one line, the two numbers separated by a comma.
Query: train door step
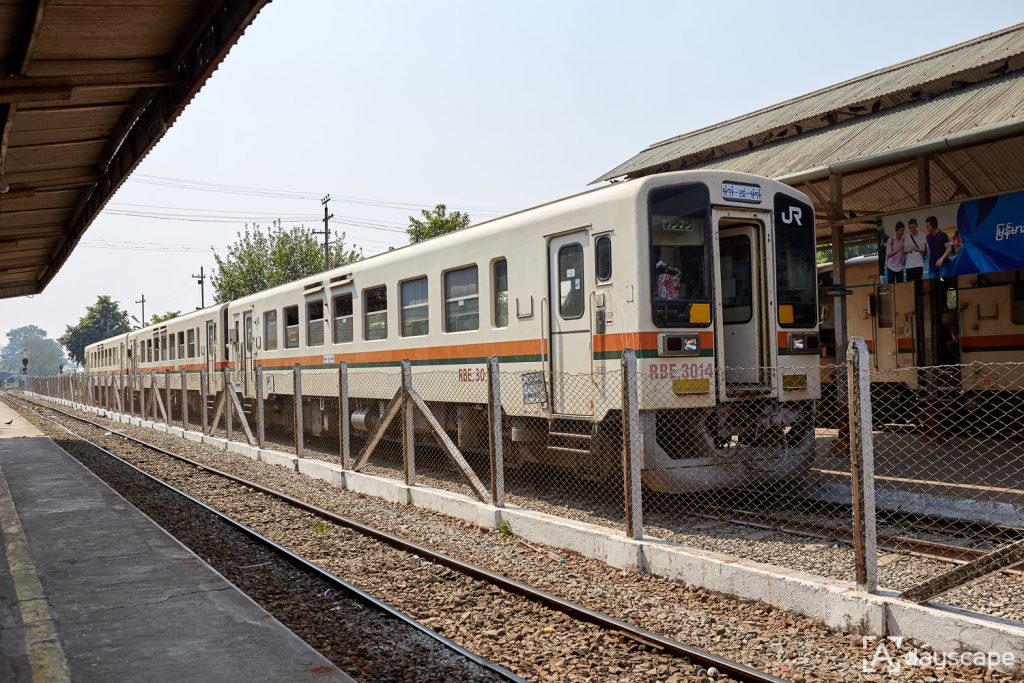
[[562, 437]]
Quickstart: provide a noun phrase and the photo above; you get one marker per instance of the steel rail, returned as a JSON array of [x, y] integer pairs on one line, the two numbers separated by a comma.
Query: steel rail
[[346, 587], [734, 669]]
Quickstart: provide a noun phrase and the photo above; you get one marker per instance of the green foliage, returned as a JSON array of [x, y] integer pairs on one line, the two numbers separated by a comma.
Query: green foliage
[[103, 319], [261, 259], [321, 527], [435, 223], [44, 355], [169, 315], [505, 529]]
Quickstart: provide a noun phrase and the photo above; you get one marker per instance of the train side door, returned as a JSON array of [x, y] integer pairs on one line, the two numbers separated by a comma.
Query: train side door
[[742, 305], [570, 340], [247, 351], [211, 348]]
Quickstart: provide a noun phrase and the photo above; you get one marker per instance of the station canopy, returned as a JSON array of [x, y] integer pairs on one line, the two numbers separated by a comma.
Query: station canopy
[[87, 88], [943, 127]]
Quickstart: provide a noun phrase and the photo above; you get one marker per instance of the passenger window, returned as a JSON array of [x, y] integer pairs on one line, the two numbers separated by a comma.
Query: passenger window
[[211, 341], [570, 281], [343, 319], [149, 350], [603, 258], [291, 327], [885, 307], [270, 330], [461, 300], [181, 345], [375, 324], [171, 355], [192, 343], [500, 289], [315, 323], [415, 309]]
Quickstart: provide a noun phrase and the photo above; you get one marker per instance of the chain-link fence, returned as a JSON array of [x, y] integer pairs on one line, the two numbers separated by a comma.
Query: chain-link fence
[[835, 470]]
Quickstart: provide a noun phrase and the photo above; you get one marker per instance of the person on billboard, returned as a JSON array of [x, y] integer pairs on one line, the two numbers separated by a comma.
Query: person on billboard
[[914, 247], [895, 257], [939, 248]]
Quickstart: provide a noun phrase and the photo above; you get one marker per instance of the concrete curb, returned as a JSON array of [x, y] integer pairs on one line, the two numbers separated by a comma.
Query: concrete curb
[[838, 604]]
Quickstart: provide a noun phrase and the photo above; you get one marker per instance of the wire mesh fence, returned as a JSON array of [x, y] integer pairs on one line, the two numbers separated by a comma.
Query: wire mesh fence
[[753, 462]]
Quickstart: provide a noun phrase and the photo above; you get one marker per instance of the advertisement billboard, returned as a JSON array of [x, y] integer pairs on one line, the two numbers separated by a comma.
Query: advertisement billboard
[[962, 238]]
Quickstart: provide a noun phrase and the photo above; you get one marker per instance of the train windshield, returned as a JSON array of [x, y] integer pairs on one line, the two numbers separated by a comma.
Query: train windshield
[[795, 267], [680, 254]]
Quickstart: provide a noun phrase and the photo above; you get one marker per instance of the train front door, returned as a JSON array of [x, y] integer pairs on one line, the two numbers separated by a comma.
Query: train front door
[[569, 318], [741, 306]]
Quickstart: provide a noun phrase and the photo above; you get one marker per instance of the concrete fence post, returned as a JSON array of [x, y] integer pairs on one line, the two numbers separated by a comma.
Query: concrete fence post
[[154, 388], [184, 400], [862, 464], [495, 432], [632, 446], [229, 406], [344, 420], [260, 415], [408, 426], [204, 399], [297, 398]]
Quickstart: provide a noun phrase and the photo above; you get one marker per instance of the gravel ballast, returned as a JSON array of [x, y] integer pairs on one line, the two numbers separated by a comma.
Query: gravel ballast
[[787, 644]]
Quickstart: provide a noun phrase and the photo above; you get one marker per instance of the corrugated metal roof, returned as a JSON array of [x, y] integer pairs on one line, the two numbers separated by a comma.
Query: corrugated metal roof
[[991, 58], [974, 107]]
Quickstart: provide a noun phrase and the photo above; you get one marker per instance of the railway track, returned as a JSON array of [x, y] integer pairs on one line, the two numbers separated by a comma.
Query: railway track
[[398, 625], [642, 637], [933, 550]]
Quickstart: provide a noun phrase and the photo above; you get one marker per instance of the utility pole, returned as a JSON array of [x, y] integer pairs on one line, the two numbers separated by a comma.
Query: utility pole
[[143, 302], [326, 232], [202, 290]]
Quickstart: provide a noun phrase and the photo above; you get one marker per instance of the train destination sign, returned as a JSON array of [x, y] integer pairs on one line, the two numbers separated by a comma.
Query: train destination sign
[[741, 192]]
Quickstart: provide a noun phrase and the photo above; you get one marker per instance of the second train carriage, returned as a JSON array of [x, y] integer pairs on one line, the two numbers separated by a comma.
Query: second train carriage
[[709, 276]]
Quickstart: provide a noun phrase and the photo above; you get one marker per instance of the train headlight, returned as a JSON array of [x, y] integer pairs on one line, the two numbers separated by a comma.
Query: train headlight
[[679, 345], [803, 343]]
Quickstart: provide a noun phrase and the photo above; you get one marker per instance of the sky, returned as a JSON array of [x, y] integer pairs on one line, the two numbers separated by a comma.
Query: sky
[[392, 106]]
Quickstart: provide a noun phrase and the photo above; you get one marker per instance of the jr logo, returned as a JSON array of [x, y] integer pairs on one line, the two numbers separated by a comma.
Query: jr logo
[[795, 213]]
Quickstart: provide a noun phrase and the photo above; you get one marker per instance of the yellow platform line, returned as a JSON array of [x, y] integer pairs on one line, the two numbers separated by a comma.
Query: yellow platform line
[[45, 654], [973, 487]]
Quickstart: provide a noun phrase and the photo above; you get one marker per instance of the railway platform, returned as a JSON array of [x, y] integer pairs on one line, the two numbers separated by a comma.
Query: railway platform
[[93, 590]]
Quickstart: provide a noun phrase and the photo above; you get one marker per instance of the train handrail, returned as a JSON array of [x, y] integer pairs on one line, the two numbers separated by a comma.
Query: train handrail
[[544, 347]]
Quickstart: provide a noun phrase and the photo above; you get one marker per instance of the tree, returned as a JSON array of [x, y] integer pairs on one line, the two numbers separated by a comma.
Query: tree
[[103, 319], [44, 355], [436, 223], [261, 259], [169, 315]]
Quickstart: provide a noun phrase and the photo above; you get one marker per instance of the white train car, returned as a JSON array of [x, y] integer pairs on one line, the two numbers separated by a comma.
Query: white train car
[[708, 276]]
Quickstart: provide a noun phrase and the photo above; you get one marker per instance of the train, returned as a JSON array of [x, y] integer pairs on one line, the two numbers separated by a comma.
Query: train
[[710, 277], [945, 345]]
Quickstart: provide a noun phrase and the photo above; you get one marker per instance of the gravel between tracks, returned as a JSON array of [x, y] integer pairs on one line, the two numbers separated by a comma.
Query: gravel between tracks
[[787, 644]]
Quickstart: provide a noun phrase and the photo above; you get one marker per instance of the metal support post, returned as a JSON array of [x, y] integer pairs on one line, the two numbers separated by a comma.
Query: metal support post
[[862, 468], [229, 406], [297, 398], [632, 447], [494, 433], [184, 400], [204, 398], [261, 440], [167, 398], [408, 426], [344, 423]]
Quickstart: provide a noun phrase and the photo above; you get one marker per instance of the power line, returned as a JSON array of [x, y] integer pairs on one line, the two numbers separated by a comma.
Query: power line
[[245, 190]]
